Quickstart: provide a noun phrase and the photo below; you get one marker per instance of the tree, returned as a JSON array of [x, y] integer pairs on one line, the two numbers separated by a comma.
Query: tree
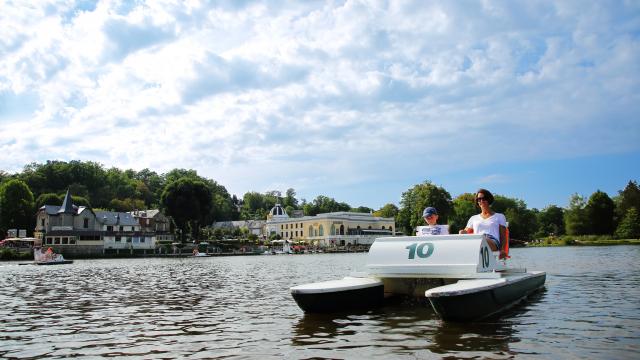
[[290, 199], [416, 199], [522, 221], [464, 207], [324, 204], [576, 219], [550, 221], [387, 211], [628, 198], [188, 202], [252, 206], [362, 209], [16, 206], [48, 199], [629, 227], [600, 209]]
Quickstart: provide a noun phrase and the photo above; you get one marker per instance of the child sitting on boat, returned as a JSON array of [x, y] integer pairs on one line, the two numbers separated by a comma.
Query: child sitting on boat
[[430, 215]]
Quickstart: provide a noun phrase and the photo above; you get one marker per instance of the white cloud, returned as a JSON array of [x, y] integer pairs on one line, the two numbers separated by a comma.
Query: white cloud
[[316, 93]]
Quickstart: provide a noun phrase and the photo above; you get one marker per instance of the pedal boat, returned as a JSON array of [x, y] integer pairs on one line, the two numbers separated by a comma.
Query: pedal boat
[[48, 258], [459, 275]]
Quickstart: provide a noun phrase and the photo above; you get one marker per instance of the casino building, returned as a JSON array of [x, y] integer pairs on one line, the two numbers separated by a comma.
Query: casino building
[[329, 229]]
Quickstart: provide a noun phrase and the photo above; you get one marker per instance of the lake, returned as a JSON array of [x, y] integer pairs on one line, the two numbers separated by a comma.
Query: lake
[[240, 307]]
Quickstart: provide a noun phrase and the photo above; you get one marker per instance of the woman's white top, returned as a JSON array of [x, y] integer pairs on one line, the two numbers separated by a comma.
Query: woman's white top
[[490, 225]]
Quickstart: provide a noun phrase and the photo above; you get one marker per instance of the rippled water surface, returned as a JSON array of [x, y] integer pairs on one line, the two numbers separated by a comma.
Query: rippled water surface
[[240, 307]]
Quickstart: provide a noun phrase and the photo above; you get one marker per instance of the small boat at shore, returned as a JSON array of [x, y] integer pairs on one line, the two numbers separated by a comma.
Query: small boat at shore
[[197, 253], [460, 276], [48, 257]]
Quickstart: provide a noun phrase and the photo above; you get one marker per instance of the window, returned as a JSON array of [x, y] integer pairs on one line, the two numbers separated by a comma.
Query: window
[[121, 228], [128, 238], [321, 231], [42, 222], [333, 229], [109, 228], [117, 238], [86, 223], [72, 241], [310, 230], [65, 241]]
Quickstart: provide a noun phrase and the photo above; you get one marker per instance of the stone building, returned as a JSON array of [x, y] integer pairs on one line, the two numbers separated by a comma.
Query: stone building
[[329, 229], [79, 231]]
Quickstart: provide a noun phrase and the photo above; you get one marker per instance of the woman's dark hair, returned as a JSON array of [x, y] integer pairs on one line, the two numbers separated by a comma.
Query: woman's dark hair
[[487, 194]]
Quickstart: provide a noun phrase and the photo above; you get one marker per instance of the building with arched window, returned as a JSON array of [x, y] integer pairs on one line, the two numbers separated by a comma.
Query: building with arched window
[[329, 229]]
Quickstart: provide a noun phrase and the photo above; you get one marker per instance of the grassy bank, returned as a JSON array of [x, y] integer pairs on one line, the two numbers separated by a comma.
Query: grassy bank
[[582, 240]]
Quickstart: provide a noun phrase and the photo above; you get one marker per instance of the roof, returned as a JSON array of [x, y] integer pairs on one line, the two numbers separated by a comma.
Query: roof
[[67, 205], [145, 213], [55, 209], [116, 218]]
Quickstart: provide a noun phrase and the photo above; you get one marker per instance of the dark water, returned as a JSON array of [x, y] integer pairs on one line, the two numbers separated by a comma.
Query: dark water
[[240, 307]]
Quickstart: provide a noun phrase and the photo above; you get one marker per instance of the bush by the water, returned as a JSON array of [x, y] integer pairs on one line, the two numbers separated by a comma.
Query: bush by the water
[[568, 240], [12, 254]]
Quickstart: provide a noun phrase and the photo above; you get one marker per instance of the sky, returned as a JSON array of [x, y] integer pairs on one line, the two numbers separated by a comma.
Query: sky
[[355, 100]]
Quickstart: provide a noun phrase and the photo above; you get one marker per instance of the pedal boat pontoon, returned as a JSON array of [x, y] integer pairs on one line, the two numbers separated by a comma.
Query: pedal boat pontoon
[[459, 275]]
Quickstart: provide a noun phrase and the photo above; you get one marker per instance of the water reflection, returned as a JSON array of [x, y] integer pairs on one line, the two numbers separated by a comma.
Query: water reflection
[[405, 327]]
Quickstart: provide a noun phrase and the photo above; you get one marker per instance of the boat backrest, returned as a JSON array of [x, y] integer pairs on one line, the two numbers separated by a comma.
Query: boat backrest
[[445, 256]]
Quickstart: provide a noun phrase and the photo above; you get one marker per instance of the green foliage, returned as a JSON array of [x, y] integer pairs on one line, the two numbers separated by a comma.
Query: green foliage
[[576, 218], [324, 204], [387, 211], [550, 221], [522, 221], [189, 202], [362, 209], [464, 206], [48, 199], [126, 205], [290, 199], [416, 199], [629, 227], [628, 198], [16, 206], [600, 211], [254, 206], [13, 254]]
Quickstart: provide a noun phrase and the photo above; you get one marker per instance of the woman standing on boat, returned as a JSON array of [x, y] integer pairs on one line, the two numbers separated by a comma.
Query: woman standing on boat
[[488, 221]]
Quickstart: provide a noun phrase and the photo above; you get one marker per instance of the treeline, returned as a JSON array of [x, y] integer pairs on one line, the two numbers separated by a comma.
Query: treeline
[[597, 215], [194, 201], [93, 185]]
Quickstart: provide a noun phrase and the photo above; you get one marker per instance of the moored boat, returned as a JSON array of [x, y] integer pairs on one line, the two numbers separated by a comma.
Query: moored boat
[[48, 257], [459, 275]]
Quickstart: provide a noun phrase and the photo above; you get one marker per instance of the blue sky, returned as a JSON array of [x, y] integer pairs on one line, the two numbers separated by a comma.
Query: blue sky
[[356, 100]]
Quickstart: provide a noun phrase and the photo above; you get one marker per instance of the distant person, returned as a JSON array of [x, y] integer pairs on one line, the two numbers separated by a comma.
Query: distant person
[[488, 222], [430, 215]]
